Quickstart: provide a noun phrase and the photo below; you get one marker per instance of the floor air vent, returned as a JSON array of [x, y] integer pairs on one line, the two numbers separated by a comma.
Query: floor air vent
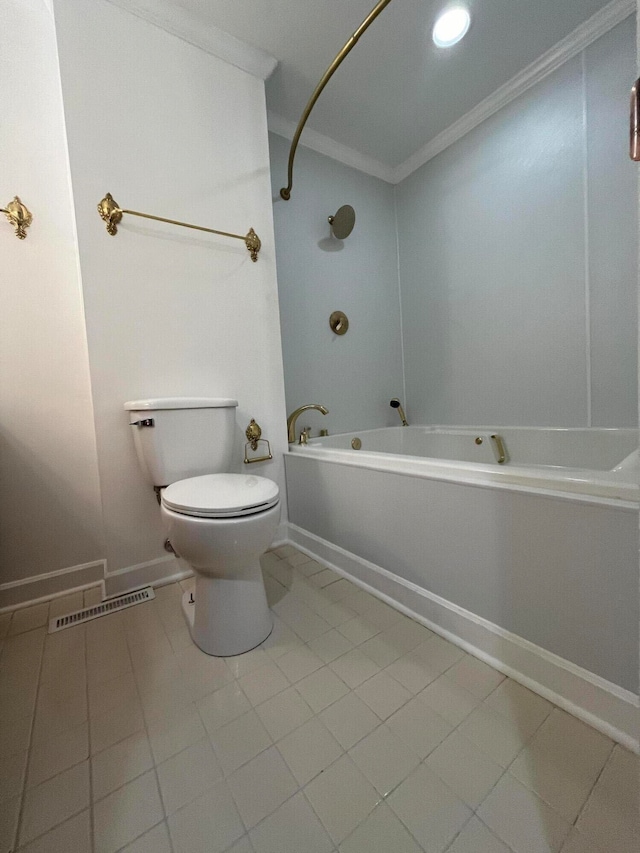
[[109, 606]]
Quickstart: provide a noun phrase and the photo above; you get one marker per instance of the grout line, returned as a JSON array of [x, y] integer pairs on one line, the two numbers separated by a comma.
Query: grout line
[[593, 787], [459, 832], [26, 789], [23, 794], [162, 822], [494, 833], [165, 819], [92, 840]]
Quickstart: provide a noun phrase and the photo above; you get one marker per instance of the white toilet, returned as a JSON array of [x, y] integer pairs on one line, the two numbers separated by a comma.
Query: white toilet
[[219, 523]]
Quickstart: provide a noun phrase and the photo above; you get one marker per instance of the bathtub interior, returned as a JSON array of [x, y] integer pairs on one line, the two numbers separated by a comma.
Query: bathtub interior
[[610, 450]]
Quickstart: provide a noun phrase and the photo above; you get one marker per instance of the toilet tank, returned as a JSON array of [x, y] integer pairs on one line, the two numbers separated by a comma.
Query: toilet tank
[[180, 437]]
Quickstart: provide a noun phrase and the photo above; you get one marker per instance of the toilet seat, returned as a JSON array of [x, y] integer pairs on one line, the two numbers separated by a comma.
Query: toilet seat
[[221, 495]]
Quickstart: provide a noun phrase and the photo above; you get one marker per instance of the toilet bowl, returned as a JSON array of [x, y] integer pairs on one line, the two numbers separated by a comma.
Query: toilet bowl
[[221, 524]]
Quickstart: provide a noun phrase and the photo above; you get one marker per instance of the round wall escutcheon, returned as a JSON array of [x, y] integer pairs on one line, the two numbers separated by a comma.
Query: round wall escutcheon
[[339, 322]]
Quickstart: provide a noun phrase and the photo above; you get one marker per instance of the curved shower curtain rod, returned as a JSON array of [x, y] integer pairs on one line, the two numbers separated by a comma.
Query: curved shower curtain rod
[[285, 192]]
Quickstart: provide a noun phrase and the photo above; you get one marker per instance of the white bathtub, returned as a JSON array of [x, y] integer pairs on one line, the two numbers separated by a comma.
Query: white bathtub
[[531, 564]]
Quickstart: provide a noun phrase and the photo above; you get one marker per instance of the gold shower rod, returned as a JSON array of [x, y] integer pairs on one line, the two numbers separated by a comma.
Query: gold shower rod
[[112, 215], [285, 192]]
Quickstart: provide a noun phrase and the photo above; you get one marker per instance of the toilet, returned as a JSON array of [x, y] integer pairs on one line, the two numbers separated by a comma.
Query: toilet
[[219, 523]]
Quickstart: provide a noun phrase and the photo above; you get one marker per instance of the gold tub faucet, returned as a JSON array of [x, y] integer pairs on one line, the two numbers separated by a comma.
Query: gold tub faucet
[[293, 417]]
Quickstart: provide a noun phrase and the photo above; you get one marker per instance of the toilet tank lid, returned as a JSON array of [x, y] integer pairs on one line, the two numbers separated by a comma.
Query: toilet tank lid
[[156, 403]]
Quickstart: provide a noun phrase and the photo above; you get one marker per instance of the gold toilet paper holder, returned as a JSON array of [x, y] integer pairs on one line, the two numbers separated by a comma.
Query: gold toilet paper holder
[[254, 438]]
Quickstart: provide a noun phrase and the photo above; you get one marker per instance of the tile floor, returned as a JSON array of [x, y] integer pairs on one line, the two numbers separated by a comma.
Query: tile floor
[[351, 729]]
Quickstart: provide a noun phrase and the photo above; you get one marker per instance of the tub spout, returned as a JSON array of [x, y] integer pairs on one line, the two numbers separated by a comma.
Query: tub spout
[[293, 417], [396, 404]]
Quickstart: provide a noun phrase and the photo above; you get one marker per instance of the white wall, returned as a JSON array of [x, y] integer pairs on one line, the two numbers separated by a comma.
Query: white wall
[[518, 249], [354, 375], [170, 130], [50, 515]]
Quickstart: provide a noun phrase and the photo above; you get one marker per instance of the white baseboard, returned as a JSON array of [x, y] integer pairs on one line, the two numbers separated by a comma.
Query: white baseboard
[[605, 706], [281, 537], [25, 592], [15, 595], [164, 570], [150, 573]]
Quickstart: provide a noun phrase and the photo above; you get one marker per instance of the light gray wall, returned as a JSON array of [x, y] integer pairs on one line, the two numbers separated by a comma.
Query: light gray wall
[[610, 64], [518, 249], [354, 375]]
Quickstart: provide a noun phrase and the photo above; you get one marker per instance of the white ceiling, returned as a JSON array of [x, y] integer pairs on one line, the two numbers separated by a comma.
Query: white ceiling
[[396, 91]]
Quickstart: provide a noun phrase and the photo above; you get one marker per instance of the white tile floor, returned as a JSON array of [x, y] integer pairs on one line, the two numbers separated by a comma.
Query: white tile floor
[[351, 729]]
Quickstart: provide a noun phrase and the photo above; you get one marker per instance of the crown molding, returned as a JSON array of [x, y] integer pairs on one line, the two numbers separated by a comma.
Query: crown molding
[[606, 19], [196, 30], [330, 148]]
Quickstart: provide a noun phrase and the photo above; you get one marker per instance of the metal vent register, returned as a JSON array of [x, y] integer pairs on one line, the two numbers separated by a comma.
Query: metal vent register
[[110, 606]]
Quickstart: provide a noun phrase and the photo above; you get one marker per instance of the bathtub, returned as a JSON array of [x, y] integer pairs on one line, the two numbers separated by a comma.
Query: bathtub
[[589, 462], [530, 563]]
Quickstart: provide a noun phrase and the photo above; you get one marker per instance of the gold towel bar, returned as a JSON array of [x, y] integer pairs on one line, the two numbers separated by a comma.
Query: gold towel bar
[[112, 214]]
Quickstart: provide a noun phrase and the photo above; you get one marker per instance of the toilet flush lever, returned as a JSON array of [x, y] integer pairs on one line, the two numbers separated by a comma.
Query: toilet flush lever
[[147, 422]]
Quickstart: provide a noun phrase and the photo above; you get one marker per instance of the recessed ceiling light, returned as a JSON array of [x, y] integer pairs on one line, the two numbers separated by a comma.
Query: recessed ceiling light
[[451, 26]]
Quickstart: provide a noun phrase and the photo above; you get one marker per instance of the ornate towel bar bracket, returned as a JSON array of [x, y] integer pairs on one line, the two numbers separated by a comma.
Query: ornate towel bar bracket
[[112, 214], [19, 216]]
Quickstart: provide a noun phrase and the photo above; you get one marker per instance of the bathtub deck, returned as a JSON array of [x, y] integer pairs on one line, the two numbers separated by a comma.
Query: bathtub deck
[[352, 729]]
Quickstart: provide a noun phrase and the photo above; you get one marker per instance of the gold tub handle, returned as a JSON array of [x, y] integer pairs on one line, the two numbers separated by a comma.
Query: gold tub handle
[[499, 448]]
